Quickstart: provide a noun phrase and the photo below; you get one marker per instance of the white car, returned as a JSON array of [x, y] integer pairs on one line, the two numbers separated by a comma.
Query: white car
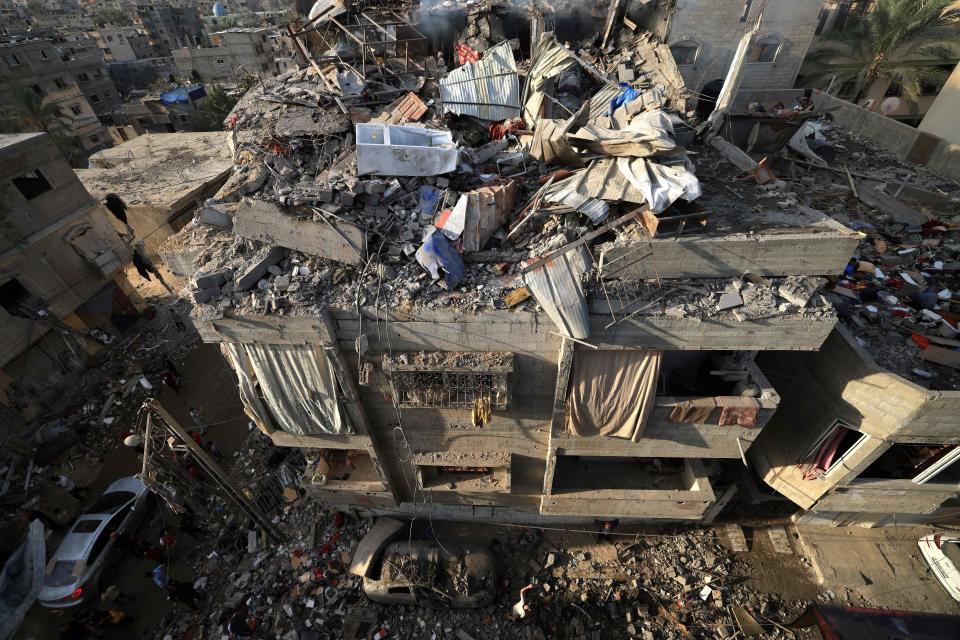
[[72, 573], [942, 553]]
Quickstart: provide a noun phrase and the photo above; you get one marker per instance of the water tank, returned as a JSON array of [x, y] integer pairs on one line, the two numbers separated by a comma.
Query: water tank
[[219, 9]]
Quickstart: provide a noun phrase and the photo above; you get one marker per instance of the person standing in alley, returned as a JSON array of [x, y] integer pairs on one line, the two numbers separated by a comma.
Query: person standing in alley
[[606, 529], [182, 592], [118, 208], [197, 416], [145, 266], [178, 323]]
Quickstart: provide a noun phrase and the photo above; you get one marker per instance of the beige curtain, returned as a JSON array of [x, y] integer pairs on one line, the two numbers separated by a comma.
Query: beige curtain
[[298, 385], [246, 384], [612, 392]]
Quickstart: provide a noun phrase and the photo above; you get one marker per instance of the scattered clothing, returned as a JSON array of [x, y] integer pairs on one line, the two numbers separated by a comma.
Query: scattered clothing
[[521, 609], [738, 410], [160, 577]]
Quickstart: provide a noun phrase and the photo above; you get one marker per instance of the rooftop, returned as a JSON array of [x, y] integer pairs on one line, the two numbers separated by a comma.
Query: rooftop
[[158, 169]]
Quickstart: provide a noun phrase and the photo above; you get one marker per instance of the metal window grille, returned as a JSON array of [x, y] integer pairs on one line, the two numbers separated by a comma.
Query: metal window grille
[[420, 387]]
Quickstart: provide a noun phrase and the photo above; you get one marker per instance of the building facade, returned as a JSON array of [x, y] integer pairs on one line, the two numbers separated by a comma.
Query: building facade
[[61, 273], [47, 70], [704, 35], [235, 55], [123, 44]]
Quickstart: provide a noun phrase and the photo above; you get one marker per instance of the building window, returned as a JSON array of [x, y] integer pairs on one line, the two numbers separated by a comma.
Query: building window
[[685, 53], [450, 379], [184, 119], [31, 184], [82, 77], [43, 54], [141, 121], [95, 99], [11, 59], [75, 109], [764, 50], [220, 61], [920, 463], [13, 296], [258, 48], [60, 83], [109, 38], [831, 449], [36, 89]]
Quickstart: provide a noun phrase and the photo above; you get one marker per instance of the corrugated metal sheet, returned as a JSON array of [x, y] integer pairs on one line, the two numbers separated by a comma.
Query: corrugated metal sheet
[[602, 179], [326, 8], [596, 210], [549, 59], [488, 89], [556, 285]]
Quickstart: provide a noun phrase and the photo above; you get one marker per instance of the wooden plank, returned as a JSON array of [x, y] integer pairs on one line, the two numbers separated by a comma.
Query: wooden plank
[[941, 355]]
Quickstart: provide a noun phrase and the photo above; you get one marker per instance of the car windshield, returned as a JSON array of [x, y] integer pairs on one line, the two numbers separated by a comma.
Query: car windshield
[[110, 502], [62, 573], [88, 525]]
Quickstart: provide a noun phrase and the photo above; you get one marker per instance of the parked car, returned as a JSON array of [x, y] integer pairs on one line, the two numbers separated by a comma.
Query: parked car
[[424, 574], [72, 574], [942, 553]]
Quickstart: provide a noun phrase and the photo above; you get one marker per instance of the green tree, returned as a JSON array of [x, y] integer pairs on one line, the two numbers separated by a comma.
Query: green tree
[[212, 109], [890, 43], [22, 111]]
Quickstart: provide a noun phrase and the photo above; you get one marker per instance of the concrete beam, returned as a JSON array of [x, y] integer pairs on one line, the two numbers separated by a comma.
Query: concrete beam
[[529, 332], [265, 222], [780, 254]]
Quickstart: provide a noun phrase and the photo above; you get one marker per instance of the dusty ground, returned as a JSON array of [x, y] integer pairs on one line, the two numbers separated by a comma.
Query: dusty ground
[[208, 384]]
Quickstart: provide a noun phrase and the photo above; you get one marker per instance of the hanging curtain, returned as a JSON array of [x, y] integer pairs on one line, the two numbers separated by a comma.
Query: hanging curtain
[[612, 393]]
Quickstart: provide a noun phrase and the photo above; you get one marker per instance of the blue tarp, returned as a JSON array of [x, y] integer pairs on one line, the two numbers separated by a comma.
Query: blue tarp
[[183, 95], [437, 253], [628, 94]]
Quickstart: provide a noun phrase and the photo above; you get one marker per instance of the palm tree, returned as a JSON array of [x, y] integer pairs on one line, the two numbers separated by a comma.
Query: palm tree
[[24, 110], [889, 43]]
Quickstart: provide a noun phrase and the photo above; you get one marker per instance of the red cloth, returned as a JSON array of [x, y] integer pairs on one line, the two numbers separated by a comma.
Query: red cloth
[[465, 54], [499, 130]]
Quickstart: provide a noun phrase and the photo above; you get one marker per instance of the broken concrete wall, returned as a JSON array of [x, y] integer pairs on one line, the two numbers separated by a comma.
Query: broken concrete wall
[[784, 252], [334, 240], [906, 142]]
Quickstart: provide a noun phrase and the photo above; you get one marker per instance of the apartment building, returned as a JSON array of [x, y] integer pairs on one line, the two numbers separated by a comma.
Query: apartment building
[[235, 54], [123, 44], [170, 26], [61, 273], [46, 69], [704, 37], [83, 59]]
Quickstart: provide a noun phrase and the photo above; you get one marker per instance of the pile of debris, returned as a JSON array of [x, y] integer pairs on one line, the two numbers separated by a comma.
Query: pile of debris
[[454, 191], [898, 295]]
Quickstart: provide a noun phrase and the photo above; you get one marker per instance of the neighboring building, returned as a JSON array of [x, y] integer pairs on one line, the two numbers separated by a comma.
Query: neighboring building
[[170, 27], [161, 191], [215, 23], [61, 273], [235, 54], [704, 37], [84, 61], [141, 75], [123, 44], [39, 66], [883, 96]]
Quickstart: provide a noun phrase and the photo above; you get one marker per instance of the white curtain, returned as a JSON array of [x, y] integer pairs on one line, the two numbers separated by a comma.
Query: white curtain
[[298, 385]]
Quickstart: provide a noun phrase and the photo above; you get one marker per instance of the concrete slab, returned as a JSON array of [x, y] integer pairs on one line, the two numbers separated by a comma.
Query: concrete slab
[[265, 222], [734, 536], [883, 566]]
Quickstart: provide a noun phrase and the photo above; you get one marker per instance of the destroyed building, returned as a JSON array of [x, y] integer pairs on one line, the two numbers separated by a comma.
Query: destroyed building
[[504, 287], [62, 284]]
